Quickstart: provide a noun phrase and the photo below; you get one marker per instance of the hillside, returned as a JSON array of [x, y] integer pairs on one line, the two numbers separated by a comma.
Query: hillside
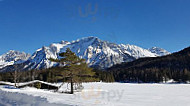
[[155, 69]]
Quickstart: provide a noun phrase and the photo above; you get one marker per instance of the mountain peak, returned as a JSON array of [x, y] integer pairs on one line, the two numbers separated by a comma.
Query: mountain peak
[[15, 53], [87, 39], [136, 51], [159, 51], [13, 57], [64, 42], [90, 37]]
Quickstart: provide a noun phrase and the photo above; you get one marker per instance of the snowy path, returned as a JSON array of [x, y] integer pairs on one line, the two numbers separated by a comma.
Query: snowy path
[[115, 94], [17, 99]]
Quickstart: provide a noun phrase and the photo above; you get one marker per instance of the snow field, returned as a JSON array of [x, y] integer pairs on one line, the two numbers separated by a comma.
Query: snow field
[[117, 94]]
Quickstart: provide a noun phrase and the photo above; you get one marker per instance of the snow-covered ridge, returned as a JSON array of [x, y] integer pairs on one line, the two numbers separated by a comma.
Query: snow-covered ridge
[[13, 57], [159, 51], [137, 52], [98, 53]]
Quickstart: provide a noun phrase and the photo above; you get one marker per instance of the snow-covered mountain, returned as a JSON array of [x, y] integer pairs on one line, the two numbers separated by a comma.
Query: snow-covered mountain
[[98, 53], [13, 57], [159, 51], [137, 52]]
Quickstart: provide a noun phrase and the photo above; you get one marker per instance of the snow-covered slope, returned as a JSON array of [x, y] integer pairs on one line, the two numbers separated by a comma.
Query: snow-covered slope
[[98, 53], [159, 51], [136, 51], [13, 57], [40, 59]]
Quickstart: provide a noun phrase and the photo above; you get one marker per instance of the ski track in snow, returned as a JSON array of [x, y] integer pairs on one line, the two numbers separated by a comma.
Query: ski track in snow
[[105, 94]]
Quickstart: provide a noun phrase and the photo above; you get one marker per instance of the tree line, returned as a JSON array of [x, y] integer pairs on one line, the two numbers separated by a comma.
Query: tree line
[[175, 66]]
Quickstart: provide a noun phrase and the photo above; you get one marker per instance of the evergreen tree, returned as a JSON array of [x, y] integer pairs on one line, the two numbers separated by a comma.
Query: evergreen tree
[[74, 68]]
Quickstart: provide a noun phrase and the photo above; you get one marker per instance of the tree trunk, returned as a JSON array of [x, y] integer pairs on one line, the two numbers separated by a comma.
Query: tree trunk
[[72, 86], [33, 77], [15, 78]]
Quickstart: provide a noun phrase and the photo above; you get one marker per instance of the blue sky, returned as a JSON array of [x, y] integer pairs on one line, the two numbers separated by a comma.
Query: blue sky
[[27, 25]]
